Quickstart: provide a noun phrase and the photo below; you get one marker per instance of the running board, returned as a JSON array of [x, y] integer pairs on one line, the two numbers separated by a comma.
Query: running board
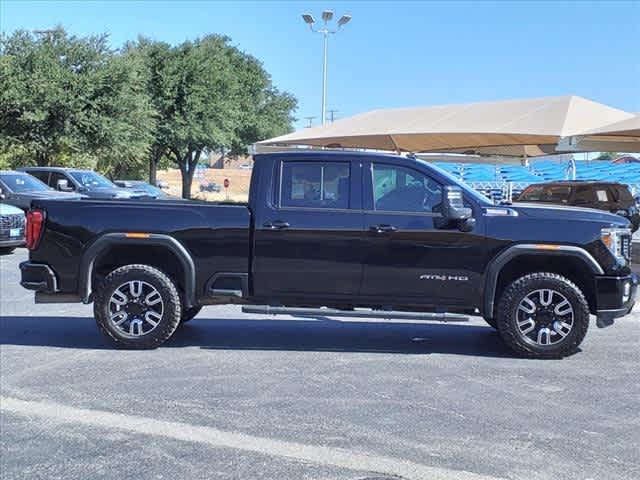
[[331, 312]]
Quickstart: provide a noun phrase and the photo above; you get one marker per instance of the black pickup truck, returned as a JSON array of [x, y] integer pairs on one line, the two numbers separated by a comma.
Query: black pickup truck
[[337, 233]]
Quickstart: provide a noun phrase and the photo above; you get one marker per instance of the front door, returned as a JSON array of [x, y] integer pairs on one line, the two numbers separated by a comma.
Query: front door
[[412, 257], [308, 239]]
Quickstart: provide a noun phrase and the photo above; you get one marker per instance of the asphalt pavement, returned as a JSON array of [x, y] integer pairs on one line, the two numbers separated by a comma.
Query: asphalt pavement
[[236, 396]]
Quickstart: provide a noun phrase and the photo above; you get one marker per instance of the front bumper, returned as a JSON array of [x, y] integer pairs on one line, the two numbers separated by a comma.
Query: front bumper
[[38, 277], [615, 297]]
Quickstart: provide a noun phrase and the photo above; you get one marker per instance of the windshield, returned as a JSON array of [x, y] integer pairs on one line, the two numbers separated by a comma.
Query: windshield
[[22, 182], [477, 196], [542, 193], [92, 180]]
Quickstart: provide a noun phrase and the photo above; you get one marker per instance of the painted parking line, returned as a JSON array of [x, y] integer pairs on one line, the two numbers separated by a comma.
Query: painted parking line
[[212, 437]]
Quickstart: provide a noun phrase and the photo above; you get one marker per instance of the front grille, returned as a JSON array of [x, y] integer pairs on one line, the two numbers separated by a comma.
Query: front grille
[[9, 223], [14, 220]]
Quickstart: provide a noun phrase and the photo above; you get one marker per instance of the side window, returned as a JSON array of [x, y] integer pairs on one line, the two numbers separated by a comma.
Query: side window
[[401, 189], [42, 176], [583, 196], [55, 176], [315, 185]]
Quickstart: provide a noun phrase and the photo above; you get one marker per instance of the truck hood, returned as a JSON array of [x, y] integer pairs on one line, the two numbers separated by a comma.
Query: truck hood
[[106, 192], [50, 194], [562, 212]]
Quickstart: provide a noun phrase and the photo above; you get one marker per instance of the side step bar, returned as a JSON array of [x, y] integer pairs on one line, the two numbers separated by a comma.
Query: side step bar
[[331, 312]]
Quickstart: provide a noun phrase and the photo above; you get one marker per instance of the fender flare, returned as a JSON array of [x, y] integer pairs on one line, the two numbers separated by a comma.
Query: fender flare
[[109, 240], [500, 260]]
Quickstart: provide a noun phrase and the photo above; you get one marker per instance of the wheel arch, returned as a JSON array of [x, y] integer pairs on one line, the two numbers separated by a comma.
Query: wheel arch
[[573, 262], [184, 272]]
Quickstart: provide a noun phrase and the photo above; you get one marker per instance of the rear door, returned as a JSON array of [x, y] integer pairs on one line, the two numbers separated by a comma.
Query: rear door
[[307, 241]]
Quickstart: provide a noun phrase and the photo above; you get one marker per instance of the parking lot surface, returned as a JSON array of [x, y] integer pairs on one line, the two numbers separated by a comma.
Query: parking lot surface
[[253, 397]]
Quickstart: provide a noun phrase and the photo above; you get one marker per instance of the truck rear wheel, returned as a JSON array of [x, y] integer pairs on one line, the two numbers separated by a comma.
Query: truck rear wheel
[[543, 315], [137, 306]]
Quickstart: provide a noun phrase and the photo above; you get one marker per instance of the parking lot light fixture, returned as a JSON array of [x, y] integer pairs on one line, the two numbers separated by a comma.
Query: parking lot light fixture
[[327, 16], [344, 19]]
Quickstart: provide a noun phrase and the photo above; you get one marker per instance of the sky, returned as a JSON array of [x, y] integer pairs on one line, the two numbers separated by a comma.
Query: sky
[[392, 53]]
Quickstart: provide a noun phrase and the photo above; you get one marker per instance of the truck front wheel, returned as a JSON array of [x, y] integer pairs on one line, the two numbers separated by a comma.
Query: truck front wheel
[[543, 315], [137, 306]]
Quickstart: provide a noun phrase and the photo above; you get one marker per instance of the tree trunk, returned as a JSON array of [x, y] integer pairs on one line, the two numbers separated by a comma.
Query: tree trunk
[[43, 160], [153, 166], [187, 179]]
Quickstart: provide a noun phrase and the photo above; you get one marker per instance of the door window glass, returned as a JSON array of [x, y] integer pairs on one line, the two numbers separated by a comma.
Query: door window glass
[[55, 176], [583, 196], [401, 189], [315, 185], [42, 176]]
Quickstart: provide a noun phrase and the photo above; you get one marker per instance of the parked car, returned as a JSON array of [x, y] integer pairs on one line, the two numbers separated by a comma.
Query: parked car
[[85, 182], [150, 190], [246, 166], [12, 228], [325, 233], [610, 196], [19, 188], [209, 187]]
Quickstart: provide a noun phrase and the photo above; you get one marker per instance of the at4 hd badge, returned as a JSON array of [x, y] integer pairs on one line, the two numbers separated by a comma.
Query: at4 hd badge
[[444, 278]]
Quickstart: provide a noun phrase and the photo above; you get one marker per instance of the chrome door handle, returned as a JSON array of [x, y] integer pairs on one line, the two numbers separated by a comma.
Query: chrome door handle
[[277, 225], [383, 228]]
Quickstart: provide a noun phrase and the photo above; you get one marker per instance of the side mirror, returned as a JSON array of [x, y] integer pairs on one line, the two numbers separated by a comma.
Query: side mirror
[[454, 213], [63, 185], [452, 205]]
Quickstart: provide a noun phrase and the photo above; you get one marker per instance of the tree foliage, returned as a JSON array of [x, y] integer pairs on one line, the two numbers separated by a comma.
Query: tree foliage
[[65, 98], [70, 100], [209, 96]]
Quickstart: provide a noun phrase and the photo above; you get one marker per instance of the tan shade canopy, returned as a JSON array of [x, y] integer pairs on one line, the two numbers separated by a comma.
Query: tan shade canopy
[[513, 127], [623, 136], [625, 128]]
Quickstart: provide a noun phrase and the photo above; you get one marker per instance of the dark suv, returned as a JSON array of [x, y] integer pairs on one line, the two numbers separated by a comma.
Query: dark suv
[[86, 182], [610, 196]]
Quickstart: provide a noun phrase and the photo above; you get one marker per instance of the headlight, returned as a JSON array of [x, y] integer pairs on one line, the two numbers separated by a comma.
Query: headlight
[[618, 242]]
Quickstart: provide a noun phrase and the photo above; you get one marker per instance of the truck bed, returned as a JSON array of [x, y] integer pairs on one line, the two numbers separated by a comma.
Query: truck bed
[[215, 235]]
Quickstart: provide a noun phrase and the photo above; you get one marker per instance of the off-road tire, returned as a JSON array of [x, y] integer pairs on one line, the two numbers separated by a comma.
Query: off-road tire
[[189, 313], [162, 283], [507, 315]]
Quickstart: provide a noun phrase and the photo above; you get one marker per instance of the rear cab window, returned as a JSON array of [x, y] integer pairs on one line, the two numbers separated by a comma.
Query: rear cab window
[[315, 185]]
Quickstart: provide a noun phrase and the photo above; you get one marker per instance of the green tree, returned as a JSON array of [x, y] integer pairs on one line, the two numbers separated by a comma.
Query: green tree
[[65, 98], [209, 96]]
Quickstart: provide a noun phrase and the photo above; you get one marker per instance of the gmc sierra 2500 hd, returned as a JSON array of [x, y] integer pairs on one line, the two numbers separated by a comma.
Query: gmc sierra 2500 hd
[[334, 233]]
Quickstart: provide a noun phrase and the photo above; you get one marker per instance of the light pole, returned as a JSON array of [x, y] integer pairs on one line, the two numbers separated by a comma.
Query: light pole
[[325, 30]]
